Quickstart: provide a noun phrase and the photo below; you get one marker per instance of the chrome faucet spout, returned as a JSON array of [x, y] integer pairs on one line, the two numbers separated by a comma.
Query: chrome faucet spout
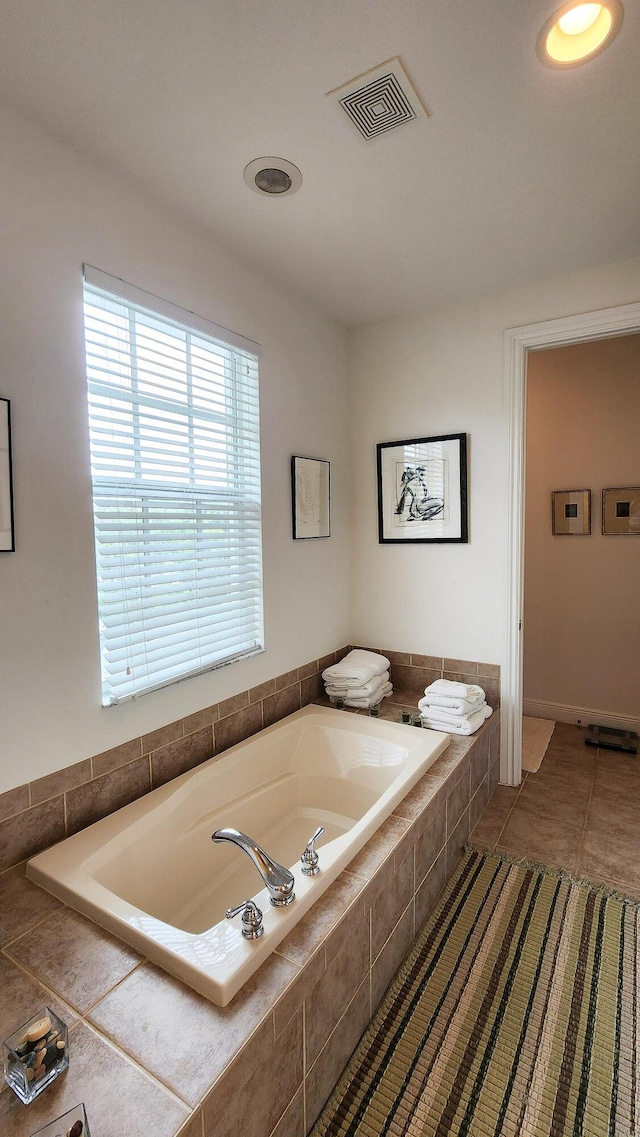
[[278, 880]]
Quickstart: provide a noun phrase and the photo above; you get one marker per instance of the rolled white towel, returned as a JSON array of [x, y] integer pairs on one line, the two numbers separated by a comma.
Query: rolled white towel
[[451, 706], [384, 691], [360, 691], [468, 725], [359, 666], [453, 690]]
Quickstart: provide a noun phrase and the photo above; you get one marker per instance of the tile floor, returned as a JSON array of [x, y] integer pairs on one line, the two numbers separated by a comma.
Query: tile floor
[[580, 812]]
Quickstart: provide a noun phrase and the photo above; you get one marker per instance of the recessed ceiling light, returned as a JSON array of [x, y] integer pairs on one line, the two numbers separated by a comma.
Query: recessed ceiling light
[[275, 176], [576, 32]]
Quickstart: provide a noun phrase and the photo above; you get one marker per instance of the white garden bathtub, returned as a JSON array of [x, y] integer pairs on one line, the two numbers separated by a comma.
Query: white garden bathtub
[[151, 874]]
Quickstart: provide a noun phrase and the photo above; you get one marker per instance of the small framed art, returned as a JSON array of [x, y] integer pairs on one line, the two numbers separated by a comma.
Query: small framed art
[[621, 512], [7, 540], [570, 513], [311, 497], [422, 489]]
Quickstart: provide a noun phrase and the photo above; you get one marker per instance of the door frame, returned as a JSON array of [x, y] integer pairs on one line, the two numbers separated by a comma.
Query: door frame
[[601, 324]]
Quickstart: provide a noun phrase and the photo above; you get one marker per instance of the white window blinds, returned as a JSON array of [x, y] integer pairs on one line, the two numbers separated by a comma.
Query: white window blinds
[[175, 457]]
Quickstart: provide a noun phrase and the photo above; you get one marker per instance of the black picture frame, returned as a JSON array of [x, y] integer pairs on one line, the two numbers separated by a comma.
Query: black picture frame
[[7, 526], [310, 498], [422, 490]]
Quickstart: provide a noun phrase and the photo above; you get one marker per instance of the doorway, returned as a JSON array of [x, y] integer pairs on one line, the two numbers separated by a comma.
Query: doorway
[[518, 342]]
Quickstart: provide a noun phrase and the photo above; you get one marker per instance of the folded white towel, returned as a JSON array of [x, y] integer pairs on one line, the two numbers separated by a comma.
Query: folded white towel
[[454, 690], [382, 693], [359, 666], [360, 691], [443, 715], [451, 706], [468, 725]]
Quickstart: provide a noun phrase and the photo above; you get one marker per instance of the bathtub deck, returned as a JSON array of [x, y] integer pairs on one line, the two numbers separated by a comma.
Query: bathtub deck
[[146, 1048]]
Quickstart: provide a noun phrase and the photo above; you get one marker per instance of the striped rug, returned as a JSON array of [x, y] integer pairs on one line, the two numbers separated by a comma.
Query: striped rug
[[515, 1013]]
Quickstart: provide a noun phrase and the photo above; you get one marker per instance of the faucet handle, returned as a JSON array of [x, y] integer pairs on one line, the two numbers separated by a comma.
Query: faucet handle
[[252, 927], [309, 858]]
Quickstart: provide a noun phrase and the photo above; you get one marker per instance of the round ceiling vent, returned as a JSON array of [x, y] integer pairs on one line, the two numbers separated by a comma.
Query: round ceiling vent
[[275, 176]]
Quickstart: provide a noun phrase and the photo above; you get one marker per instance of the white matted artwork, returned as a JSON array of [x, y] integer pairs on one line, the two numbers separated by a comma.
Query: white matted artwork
[[7, 540], [422, 489], [311, 497]]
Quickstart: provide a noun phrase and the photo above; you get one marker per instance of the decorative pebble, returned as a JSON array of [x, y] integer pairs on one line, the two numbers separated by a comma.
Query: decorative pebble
[[76, 1129], [40, 1029], [60, 1045], [39, 1071]]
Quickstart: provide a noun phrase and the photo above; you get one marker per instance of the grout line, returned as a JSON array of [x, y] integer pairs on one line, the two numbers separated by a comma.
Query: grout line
[[92, 1006], [32, 927], [109, 1041], [586, 815]]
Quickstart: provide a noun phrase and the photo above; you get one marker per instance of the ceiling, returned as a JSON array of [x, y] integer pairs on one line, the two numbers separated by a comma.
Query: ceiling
[[520, 172]]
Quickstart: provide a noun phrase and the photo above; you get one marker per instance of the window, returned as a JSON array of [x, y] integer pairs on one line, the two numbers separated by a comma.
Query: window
[[175, 460]]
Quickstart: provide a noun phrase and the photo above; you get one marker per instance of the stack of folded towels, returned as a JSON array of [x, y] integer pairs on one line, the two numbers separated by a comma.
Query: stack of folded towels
[[361, 679], [457, 708]]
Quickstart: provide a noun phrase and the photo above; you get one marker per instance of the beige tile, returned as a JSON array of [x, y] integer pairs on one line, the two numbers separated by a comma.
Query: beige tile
[[106, 794], [457, 800], [74, 957], [14, 801], [412, 680], [613, 856], [314, 928], [251, 1095], [307, 670], [387, 896], [54, 784], [310, 689], [326, 661], [391, 956], [494, 774], [478, 803], [491, 688], [430, 889], [235, 703], [616, 813], [416, 801], [120, 1099], [430, 840], [541, 839], [479, 759], [489, 670], [22, 904], [206, 717], [486, 832], [431, 662], [28, 833], [194, 1126], [291, 1123], [332, 1059], [555, 799], [398, 658], [382, 845], [453, 761], [466, 666], [256, 694], [325, 1004], [163, 1024], [117, 756], [162, 737], [235, 728], [283, 703], [457, 841], [287, 679], [342, 651], [23, 997], [178, 757], [298, 990]]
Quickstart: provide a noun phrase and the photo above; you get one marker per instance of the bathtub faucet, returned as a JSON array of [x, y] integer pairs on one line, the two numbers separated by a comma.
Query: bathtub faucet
[[278, 880]]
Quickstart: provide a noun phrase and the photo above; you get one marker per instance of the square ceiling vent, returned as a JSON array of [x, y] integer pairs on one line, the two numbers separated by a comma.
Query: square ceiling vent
[[381, 99]]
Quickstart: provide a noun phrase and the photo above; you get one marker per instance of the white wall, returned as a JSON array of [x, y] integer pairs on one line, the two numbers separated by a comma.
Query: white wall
[[442, 372], [56, 212], [582, 593]]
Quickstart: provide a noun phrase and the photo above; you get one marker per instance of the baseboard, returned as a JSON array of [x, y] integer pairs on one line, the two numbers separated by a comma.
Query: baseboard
[[578, 716]]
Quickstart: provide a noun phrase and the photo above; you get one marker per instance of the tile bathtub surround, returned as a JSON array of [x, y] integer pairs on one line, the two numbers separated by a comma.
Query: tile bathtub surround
[[411, 673], [40, 813], [178, 1065]]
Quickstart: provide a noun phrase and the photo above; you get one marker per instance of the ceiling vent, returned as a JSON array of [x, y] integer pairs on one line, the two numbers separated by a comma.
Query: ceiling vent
[[381, 99]]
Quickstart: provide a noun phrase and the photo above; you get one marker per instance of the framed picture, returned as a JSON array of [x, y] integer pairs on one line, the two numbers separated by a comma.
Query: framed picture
[[310, 495], [570, 513], [621, 512], [422, 489], [7, 540]]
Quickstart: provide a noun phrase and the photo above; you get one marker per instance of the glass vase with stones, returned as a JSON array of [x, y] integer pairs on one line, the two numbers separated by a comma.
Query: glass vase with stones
[[73, 1123], [35, 1054]]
